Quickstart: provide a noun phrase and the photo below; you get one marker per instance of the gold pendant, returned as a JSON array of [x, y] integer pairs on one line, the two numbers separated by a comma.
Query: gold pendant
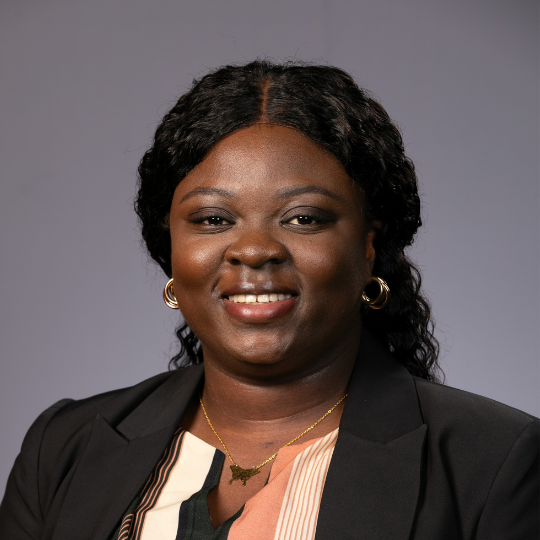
[[242, 474]]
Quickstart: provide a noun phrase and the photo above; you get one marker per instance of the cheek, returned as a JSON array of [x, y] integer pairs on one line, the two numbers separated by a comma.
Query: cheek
[[335, 269], [194, 263]]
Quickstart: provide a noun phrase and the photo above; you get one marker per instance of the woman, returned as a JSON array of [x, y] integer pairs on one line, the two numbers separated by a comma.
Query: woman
[[279, 201]]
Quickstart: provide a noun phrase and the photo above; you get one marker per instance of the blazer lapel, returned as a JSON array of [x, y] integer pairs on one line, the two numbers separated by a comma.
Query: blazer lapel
[[373, 481], [117, 462]]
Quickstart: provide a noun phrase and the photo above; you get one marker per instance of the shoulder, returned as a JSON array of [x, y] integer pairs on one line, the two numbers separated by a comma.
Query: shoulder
[[483, 457], [73, 422], [67, 416], [468, 433], [55, 442], [114, 405], [448, 409], [70, 422]]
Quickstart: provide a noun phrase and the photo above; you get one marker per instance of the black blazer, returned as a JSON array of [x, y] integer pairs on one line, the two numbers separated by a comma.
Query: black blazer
[[413, 460]]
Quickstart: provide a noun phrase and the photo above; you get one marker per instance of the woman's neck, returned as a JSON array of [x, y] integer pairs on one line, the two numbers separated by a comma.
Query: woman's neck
[[246, 399]]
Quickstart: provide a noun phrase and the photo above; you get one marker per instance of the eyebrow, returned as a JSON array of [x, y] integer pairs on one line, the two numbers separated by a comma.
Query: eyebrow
[[283, 193], [208, 191], [301, 189]]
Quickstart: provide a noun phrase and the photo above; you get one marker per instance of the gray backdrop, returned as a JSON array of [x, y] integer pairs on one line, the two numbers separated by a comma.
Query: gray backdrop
[[83, 85]]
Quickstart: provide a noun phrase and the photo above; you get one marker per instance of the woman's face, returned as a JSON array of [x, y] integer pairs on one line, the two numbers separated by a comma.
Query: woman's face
[[270, 252]]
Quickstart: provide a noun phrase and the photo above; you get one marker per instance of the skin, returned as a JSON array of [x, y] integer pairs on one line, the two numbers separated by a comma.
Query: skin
[[268, 210]]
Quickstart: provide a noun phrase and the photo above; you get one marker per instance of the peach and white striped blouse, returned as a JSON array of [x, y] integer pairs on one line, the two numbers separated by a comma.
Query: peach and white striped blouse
[[173, 504]]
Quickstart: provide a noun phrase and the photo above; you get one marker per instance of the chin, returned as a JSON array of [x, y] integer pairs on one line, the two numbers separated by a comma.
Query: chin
[[260, 352], [266, 356]]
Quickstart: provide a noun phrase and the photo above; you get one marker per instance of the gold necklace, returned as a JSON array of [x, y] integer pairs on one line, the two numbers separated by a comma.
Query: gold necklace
[[245, 474]]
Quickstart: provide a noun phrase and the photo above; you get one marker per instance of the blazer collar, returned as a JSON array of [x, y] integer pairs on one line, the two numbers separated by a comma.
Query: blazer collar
[[382, 404], [165, 407], [373, 481]]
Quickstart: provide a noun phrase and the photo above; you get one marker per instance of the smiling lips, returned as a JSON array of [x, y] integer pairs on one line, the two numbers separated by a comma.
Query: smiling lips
[[259, 308], [258, 298]]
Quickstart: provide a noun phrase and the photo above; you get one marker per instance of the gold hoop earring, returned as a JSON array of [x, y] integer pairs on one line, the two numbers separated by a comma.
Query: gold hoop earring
[[168, 295], [383, 296]]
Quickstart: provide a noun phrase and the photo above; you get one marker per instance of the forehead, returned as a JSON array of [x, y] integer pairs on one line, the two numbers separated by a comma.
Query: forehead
[[266, 157]]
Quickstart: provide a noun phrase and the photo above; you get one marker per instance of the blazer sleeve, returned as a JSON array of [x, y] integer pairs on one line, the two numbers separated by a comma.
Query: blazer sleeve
[[21, 516], [512, 507]]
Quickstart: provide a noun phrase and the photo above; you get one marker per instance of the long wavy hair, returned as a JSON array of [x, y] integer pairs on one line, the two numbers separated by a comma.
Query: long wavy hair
[[325, 104]]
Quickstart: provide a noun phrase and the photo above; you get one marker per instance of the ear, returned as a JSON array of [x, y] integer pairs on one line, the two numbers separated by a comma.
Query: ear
[[371, 234]]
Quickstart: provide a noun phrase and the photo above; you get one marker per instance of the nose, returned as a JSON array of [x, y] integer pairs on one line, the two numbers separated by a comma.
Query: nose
[[255, 249]]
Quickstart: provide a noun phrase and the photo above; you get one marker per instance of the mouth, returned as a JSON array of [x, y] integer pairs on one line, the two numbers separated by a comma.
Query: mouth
[[259, 308], [258, 298]]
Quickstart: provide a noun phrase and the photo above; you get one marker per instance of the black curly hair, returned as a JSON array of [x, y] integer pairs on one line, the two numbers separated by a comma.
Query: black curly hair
[[325, 104]]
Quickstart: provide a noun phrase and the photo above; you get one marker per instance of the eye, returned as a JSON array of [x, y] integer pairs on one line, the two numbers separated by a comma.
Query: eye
[[303, 220], [211, 220], [215, 221], [307, 220]]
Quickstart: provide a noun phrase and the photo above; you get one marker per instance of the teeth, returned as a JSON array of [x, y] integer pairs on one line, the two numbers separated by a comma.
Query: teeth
[[258, 298]]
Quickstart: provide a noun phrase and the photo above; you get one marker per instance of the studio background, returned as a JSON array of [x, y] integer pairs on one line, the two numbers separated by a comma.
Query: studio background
[[83, 87]]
